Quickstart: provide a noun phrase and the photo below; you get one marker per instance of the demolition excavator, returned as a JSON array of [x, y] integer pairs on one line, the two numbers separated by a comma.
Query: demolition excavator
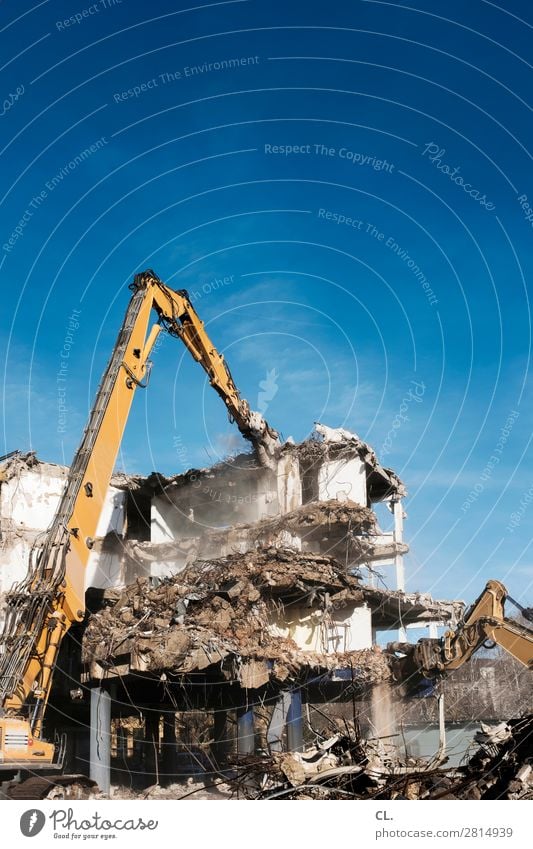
[[51, 599], [484, 625]]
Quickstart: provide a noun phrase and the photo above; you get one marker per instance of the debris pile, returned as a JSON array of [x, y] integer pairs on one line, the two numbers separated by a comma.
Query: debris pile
[[313, 518], [222, 612], [342, 529], [12, 463], [346, 766], [503, 766]]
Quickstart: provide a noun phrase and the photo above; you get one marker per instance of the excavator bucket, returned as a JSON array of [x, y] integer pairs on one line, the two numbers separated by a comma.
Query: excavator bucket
[[409, 663]]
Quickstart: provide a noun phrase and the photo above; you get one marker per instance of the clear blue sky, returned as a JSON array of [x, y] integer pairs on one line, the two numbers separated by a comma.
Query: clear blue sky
[[413, 122]]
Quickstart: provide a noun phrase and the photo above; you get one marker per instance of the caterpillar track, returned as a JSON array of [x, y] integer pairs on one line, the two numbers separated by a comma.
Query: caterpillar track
[[53, 787]]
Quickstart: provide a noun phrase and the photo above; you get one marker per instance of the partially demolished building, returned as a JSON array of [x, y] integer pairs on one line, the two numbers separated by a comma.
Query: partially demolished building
[[250, 594], [258, 584]]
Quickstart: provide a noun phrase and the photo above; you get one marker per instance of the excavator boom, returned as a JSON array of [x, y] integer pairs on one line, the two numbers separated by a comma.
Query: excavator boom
[[51, 598], [483, 625]]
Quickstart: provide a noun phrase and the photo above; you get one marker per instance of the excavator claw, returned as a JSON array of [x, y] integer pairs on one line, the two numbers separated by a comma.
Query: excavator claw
[[484, 624]]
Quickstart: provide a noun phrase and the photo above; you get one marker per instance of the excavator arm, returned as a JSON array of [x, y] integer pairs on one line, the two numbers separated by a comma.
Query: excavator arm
[[483, 625], [51, 598], [178, 316]]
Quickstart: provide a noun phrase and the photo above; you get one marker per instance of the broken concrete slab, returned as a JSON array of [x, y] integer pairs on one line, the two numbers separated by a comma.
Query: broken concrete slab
[[228, 610]]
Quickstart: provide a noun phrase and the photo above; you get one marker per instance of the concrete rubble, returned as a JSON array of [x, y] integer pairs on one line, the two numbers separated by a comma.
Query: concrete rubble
[[323, 522], [231, 612], [346, 766]]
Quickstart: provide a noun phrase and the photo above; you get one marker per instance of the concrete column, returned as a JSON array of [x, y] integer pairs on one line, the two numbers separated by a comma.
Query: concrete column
[[100, 739], [219, 748], [151, 744], [169, 762], [398, 537], [138, 749], [384, 720], [398, 560], [277, 723], [295, 740], [245, 731], [122, 746]]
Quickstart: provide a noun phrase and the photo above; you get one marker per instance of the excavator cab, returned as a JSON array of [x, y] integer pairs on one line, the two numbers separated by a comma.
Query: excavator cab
[[19, 749]]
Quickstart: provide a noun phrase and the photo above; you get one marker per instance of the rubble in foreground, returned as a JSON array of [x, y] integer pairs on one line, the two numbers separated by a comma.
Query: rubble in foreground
[[346, 766]]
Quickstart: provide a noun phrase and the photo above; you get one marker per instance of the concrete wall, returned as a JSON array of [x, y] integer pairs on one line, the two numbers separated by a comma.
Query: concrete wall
[[343, 479], [218, 500], [28, 502], [349, 629], [289, 483]]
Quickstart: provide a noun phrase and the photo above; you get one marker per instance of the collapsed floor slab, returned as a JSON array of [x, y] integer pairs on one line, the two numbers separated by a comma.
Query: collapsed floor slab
[[261, 615], [242, 612]]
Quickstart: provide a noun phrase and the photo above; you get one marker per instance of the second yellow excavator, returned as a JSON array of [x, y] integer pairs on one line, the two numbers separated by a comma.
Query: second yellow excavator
[[484, 625]]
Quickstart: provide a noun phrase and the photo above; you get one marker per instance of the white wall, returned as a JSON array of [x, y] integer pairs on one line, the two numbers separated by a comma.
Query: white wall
[[104, 569], [28, 502], [113, 516], [343, 479], [351, 629], [164, 520], [220, 500], [30, 499], [348, 629], [13, 561], [289, 483]]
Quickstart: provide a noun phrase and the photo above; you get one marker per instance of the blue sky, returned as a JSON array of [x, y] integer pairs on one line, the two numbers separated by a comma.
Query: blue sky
[[357, 175]]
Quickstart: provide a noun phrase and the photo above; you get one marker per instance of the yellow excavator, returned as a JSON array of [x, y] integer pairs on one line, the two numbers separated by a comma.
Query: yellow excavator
[[484, 625], [41, 608]]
